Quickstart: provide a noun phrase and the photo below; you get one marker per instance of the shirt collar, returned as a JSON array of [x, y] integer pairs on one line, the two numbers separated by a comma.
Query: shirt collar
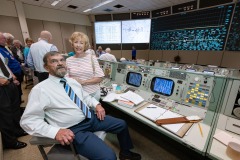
[[54, 78]]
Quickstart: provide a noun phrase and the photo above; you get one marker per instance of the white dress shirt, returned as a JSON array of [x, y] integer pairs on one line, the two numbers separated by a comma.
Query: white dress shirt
[[49, 107], [36, 54], [108, 57]]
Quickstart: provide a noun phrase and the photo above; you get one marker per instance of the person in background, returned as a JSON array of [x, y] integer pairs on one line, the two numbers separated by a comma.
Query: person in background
[[59, 116], [108, 56], [14, 66], [84, 67], [10, 105], [91, 51], [134, 53], [36, 53], [17, 51], [99, 51], [9, 41], [28, 42]]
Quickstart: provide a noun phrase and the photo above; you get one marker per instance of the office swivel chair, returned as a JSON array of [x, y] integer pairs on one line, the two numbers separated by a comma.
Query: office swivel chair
[[58, 151]]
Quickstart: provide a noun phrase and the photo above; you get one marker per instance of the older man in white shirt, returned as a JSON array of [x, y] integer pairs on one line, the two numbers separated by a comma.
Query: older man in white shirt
[[36, 53], [54, 111], [108, 56]]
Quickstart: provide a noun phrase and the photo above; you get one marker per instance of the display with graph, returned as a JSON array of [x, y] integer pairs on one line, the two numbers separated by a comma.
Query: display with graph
[[204, 29], [233, 43]]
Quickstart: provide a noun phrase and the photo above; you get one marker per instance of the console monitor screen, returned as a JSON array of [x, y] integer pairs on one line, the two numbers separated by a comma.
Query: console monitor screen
[[134, 79], [108, 32], [136, 31], [162, 86]]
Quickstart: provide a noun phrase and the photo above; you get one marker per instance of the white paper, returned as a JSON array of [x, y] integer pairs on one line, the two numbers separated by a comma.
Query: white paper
[[172, 127], [112, 97], [193, 118], [225, 138], [133, 97], [152, 112]]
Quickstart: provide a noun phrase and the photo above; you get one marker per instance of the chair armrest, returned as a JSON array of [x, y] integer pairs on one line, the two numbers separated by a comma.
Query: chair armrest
[[42, 141]]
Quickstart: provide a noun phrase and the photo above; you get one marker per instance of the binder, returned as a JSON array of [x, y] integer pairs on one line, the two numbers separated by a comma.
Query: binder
[[181, 128], [175, 120]]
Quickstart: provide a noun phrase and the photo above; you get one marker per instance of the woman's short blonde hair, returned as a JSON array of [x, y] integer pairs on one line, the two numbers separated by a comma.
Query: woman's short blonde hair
[[83, 37]]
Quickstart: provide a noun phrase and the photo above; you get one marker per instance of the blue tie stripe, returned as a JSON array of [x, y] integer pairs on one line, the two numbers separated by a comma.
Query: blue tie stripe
[[76, 99]]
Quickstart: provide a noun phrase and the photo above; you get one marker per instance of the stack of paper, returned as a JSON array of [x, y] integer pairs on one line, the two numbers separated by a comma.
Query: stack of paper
[[225, 138], [133, 97], [112, 97], [128, 104]]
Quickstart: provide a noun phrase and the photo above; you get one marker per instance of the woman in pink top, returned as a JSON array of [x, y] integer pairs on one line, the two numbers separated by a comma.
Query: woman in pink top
[[84, 66]]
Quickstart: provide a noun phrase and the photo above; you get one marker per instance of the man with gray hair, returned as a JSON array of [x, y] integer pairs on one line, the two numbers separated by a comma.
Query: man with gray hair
[[37, 52], [9, 41], [108, 56], [99, 51]]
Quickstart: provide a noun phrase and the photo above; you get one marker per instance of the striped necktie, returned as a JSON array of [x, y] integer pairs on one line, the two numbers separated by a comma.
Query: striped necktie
[[85, 109]]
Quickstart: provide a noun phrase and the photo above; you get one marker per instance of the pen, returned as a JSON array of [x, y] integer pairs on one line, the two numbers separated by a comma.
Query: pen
[[200, 129], [151, 107]]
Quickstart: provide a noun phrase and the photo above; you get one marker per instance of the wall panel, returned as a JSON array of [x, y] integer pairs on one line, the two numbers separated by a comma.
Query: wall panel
[[142, 54], [54, 28], [169, 55], [210, 58], [66, 30], [231, 59], [11, 25], [189, 57], [117, 53], [35, 27], [155, 55], [127, 54]]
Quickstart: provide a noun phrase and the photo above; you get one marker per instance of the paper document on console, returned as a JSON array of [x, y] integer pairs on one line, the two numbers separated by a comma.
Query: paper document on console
[[152, 112], [133, 97], [225, 138], [172, 127], [112, 97]]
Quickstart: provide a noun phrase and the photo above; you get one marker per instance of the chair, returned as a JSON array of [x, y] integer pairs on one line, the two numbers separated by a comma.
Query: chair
[[58, 151], [28, 74]]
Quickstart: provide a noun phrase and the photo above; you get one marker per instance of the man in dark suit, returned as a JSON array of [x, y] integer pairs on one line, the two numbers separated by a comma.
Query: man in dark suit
[[9, 108]]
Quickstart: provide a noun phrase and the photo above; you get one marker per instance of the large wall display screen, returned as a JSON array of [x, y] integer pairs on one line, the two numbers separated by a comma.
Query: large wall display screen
[[204, 29], [233, 43], [136, 31], [108, 32]]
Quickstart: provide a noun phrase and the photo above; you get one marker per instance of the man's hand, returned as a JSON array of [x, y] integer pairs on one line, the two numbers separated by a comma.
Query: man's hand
[[100, 112], [16, 82], [65, 136], [4, 81]]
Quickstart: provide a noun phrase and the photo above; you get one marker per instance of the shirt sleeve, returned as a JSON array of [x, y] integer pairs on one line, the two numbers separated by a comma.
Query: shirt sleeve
[[32, 120], [53, 48], [30, 60]]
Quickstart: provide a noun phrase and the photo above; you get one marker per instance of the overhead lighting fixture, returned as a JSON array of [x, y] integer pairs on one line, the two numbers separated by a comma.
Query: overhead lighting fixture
[[99, 5], [55, 2], [87, 10]]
